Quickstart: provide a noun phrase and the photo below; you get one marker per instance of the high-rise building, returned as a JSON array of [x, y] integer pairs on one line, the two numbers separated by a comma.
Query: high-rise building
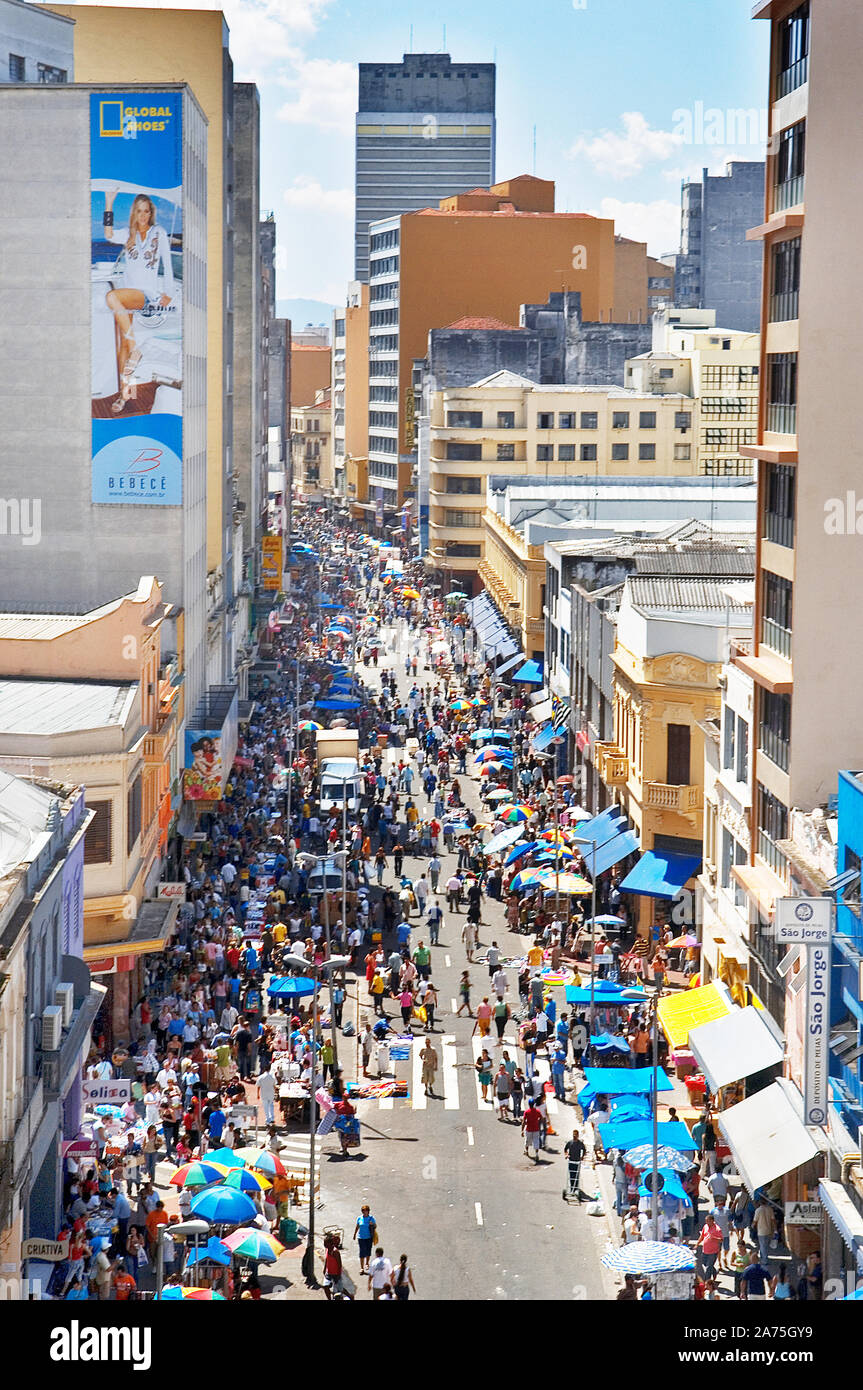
[[425, 129], [717, 267], [477, 254], [351, 386], [250, 420], [35, 45], [141, 45]]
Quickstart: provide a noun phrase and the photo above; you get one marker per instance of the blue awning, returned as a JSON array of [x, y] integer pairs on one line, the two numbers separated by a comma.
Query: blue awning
[[612, 839], [530, 673], [628, 1133], [511, 663], [626, 1081], [545, 737], [661, 874]]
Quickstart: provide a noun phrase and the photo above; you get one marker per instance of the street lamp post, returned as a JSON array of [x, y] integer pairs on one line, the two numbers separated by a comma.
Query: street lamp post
[[196, 1227]]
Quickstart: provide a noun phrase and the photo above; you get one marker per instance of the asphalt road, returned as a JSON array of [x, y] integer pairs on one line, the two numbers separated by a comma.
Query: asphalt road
[[447, 1181]]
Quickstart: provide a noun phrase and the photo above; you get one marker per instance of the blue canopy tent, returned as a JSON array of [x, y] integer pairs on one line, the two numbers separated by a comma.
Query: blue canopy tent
[[338, 704], [605, 840], [626, 1081], [489, 733], [609, 1042], [628, 1133], [290, 986], [661, 873], [673, 1187], [606, 995], [214, 1250], [530, 673]]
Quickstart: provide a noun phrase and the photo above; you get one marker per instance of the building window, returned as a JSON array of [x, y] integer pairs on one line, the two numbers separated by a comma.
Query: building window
[[776, 618], [544, 421], [464, 420], [544, 453], [620, 420], [566, 420], [589, 420], [463, 453], [462, 519], [677, 761], [588, 453], [52, 75], [464, 485], [790, 167], [665, 373], [97, 839], [506, 453], [793, 51], [17, 68], [779, 508], [619, 452], [728, 735], [506, 419], [463, 552], [742, 760], [774, 728], [785, 289], [782, 398], [566, 453], [646, 452], [772, 826], [647, 420], [682, 452], [683, 419]]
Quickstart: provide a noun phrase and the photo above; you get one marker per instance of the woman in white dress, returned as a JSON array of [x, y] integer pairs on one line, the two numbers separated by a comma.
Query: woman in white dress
[[145, 250]]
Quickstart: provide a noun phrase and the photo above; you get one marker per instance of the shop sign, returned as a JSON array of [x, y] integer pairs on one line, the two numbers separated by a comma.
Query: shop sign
[[803, 1213], [816, 1049], [806, 921], [107, 1092], [50, 1250], [172, 891]]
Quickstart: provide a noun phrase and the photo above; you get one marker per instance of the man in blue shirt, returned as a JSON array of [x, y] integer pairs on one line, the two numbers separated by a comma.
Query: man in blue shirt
[[558, 1064], [753, 1281], [217, 1124], [403, 933]]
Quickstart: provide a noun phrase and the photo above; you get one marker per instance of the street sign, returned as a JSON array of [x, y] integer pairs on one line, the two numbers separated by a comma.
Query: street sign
[[654, 1182], [803, 1213], [107, 1092], [816, 1046], [808, 921], [50, 1250]]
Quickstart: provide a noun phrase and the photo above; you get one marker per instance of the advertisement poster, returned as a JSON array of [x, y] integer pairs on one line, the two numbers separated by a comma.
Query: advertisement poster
[[202, 779], [271, 562], [136, 274]]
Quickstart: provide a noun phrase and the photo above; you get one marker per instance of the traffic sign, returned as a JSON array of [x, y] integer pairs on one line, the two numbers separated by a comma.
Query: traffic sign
[[654, 1182]]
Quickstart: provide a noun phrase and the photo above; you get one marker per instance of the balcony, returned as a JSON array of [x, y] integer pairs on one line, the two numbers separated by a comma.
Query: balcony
[[781, 417], [611, 763], [157, 745], [661, 796], [776, 637], [788, 194]]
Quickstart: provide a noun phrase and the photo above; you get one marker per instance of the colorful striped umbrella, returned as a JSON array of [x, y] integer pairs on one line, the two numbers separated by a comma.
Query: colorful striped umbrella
[[515, 813], [309, 726], [175, 1293], [572, 884], [246, 1181], [255, 1245], [479, 703], [491, 752], [264, 1161], [528, 878], [459, 706], [199, 1173], [502, 794]]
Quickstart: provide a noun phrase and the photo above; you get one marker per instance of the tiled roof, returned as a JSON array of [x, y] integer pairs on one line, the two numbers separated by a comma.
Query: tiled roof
[[687, 594], [485, 323]]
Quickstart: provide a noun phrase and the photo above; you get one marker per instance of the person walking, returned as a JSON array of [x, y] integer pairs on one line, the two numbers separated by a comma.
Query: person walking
[[367, 1042], [468, 936], [531, 1125], [484, 1073], [764, 1223], [403, 1280], [430, 1002], [500, 1013], [365, 1233], [517, 1092], [429, 1059], [464, 995], [379, 1273], [502, 1092]]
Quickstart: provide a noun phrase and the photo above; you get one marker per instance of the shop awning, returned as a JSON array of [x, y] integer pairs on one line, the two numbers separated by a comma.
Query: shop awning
[[503, 645], [628, 1133], [511, 662], [605, 840], [730, 1048], [692, 1008], [530, 673], [844, 1215], [544, 710], [626, 1081], [766, 1134], [660, 874], [544, 739]]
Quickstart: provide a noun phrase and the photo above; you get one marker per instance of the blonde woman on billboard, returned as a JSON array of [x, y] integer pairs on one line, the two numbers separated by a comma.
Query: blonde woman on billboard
[[145, 249]]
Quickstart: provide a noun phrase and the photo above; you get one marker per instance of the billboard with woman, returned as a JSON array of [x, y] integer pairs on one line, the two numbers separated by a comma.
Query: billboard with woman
[[136, 209]]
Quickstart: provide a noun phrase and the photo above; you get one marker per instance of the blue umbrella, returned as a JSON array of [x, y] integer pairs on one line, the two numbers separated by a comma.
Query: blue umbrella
[[290, 986], [492, 748], [642, 1157], [648, 1257], [607, 1042], [607, 920], [224, 1156], [489, 733], [338, 704], [215, 1250], [519, 851], [225, 1205]]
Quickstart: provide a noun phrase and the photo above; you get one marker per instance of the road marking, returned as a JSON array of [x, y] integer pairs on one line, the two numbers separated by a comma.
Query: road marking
[[447, 961], [469, 1135], [386, 1103], [455, 1005], [450, 1075], [477, 1206], [418, 1095]]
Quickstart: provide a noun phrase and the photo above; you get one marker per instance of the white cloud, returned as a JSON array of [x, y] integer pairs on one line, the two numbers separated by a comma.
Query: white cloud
[[323, 93], [622, 154], [315, 235], [657, 223], [307, 193]]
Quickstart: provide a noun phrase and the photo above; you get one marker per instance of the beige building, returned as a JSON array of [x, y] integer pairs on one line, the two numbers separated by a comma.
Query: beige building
[[312, 447], [508, 424], [718, 370], [350, 386], [513, 572]]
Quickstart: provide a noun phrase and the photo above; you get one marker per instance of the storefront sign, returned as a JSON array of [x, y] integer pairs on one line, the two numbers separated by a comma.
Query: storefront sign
[[803, 1213], [816, 1049], [107, 1092], [51, 1250], [171, 891], [808, 921], [272, 562]]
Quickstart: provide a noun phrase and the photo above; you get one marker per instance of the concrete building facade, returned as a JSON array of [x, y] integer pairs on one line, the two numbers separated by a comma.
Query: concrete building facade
[[425, 128], [35, 45], [717, 267], [312, 447], [251, 319]]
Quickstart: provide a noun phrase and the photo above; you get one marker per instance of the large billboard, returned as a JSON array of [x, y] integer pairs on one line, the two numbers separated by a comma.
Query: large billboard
[[272, 562], [136, 216]]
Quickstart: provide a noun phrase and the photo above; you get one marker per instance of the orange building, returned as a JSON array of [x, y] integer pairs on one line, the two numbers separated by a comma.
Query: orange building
[[482, 253], [311, 369]]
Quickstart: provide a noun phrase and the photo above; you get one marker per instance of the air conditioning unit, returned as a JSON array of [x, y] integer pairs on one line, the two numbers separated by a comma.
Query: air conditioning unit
[[64, 997], [52, 1027]]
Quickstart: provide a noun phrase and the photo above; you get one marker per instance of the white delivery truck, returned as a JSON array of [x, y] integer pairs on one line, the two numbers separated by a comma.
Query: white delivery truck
[[337, 743], [340, 780]]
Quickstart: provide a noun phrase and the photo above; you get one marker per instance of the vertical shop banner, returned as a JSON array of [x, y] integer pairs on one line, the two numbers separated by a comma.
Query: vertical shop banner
[[136, 273], [272, 562]]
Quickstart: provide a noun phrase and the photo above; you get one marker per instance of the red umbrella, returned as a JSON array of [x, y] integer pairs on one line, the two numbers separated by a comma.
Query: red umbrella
[[562, 781]]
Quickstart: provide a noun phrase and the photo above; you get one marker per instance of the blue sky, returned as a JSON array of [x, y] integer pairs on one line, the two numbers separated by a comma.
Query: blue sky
[[612, 86]]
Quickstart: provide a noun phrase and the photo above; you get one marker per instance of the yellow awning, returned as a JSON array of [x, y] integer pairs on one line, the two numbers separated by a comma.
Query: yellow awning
[[692, 1007]]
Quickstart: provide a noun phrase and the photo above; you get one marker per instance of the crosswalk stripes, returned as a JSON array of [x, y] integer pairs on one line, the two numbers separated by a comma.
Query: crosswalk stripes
[[295, 1154], [449, 1073]]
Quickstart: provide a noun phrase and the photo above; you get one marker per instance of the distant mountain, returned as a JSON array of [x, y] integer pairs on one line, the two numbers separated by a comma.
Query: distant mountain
[[303, 311]]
